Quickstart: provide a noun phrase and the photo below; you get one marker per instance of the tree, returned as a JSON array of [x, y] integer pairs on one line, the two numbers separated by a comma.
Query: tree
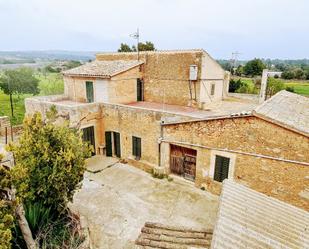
[[9, 206], [49, 162], [18, 81], [124, 48], [6, 213], [288, 74], [299, 74], [147, 46], [274, 86], [239, 70], [254, 67]]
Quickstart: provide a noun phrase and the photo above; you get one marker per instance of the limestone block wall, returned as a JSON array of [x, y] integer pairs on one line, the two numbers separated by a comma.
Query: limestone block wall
[[131, 121], [166, 74], [75, 88], [122, 88], [286, 181], [5, 124], [119, 89], [80, 115]]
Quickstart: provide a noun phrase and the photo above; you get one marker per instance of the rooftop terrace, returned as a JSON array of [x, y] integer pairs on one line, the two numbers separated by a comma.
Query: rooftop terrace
[[228, 106]]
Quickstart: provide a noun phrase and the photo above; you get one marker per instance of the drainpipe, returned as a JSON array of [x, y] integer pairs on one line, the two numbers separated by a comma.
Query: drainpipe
[[160, 141]]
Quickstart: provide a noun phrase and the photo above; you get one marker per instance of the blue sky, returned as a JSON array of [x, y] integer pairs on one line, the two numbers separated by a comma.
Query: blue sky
[[255, 28]]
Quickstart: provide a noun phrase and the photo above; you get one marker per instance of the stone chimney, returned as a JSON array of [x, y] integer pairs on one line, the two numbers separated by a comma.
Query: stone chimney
[[262, 96]]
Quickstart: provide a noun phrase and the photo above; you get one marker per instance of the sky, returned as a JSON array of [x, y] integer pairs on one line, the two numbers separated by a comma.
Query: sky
[[254, 28]]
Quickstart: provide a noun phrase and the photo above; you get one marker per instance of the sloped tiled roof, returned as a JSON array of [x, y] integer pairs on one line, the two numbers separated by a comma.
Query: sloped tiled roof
[[249, 219], [103, 69], [287, 109]]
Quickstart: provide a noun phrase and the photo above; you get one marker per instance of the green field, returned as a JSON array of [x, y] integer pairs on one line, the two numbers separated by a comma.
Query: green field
[[300, 87], [50, 84]]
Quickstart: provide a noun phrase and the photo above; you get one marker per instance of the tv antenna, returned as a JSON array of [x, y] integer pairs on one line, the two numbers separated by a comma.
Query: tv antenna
[[136, 36]]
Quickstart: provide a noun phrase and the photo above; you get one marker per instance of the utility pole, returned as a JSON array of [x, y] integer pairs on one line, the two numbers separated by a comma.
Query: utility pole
[[136, 36], [234, 60]]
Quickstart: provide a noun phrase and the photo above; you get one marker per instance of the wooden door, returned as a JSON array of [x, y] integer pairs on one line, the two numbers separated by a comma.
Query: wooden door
[[183, 162]]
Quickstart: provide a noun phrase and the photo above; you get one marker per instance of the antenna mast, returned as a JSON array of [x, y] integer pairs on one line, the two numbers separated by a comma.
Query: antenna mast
[[136, 36]]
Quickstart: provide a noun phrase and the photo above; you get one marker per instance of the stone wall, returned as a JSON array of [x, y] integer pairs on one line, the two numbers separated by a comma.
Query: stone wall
[[246, 140], [122, 88], [119, 89], [78, 115], [5, 125], [166, 74], [131, 121]]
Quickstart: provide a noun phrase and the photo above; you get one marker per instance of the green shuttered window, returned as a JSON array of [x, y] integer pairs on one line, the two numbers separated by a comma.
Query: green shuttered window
[[108, 143], [88, 136], [117, 144], [221, 168], [136, 147], [89, 91]]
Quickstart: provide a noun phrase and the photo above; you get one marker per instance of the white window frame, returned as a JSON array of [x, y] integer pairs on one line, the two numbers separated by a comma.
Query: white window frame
[[213, 155]]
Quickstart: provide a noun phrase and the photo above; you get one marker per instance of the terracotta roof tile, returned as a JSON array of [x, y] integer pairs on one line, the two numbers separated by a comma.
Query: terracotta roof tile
[[286, 109], [103, 69]]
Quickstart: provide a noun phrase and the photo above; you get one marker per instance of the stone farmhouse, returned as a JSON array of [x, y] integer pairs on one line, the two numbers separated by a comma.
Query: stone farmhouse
[[170, 112]]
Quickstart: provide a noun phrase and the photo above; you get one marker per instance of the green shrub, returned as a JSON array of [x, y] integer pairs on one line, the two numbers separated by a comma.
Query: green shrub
[[290, 89], [235, 85], [274, 86]]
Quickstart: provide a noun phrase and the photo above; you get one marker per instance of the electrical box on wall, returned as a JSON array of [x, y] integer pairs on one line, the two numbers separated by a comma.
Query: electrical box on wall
[[193, 72]]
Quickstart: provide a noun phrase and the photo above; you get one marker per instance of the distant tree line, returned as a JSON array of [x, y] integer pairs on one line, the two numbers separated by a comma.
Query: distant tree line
[[291, 69], [147, 46]]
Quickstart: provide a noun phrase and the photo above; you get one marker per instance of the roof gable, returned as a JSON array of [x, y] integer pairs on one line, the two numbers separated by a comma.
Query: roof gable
[[286, 109], [103, 69]]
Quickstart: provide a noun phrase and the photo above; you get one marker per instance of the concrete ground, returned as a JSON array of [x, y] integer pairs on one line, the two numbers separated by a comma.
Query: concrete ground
[[117, 200]]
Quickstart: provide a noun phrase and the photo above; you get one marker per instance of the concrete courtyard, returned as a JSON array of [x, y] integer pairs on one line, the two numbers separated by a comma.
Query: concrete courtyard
[[117, 199]]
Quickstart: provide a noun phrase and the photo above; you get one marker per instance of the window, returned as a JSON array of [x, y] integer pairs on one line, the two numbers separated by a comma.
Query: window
[[88, 136], [140, 90], [212, 91], [89, 91], [136, 147], [112, 138], [221, 168]]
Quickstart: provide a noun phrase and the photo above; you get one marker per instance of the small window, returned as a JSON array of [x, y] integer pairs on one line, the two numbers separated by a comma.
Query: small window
[[89, 91], [221, 168], [212, 91], [136, 147]]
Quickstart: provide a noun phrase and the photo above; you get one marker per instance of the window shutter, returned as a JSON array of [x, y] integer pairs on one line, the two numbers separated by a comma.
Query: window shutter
[[89, 91], [221, 168], [136, 147], [139, 90], [88, 136], [139, 147], [108, 143], [117, 144], [217, 174], [225, 168]]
